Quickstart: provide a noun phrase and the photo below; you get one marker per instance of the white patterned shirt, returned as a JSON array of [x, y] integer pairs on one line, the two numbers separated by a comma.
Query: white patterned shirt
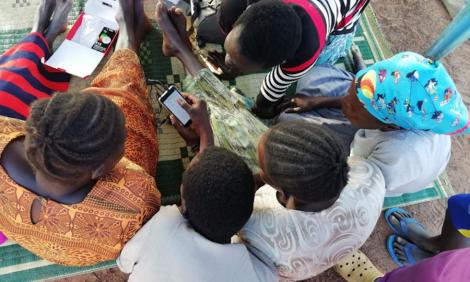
[[304, 244]]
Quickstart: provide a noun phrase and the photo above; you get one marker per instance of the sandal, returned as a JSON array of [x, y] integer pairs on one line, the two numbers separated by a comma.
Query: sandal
[[403, 230], [408, 249], [357, 267]]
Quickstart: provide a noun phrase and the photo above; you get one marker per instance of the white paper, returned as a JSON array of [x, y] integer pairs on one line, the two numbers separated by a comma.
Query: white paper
[[76, 59]]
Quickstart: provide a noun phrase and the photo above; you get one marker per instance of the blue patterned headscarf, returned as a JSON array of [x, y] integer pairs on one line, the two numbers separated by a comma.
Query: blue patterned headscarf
[[413, 92]]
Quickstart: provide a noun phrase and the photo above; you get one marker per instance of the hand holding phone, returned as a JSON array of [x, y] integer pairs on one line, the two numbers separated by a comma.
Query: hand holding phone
[[170, 100], [196, 109]]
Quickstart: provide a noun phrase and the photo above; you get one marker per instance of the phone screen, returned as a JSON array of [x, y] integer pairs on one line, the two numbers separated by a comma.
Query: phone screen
[[170, 100]]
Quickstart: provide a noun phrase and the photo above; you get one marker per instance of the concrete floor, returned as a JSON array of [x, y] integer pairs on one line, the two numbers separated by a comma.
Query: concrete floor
[[408, 25]]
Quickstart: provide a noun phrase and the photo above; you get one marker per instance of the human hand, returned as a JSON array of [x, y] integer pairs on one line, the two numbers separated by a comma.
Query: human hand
[[266, 109], [300, 103], [200, 129]]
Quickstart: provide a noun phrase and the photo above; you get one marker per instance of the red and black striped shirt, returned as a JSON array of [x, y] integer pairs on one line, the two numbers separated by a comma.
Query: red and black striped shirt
[[24, 78], [319, 18]]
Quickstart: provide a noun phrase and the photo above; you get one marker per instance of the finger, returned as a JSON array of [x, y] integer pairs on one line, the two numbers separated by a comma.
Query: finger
[[184, 104], [288, 104], [294, 110], [176, 123], [203, 103], [190, 98], [173, 120]]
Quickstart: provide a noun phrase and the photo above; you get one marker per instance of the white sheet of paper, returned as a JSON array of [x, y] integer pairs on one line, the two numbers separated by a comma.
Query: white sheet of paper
[[76, 59]]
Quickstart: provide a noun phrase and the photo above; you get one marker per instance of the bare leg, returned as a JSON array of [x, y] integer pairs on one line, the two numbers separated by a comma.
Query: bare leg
[[450, 238], [125, 19], [142, 24], [175, 38], [58, 23], [417, 234], [43, 16]]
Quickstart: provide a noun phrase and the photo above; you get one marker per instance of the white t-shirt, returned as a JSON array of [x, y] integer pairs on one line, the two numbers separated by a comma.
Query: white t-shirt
[[168, 249], [304, 244], [409, 160]]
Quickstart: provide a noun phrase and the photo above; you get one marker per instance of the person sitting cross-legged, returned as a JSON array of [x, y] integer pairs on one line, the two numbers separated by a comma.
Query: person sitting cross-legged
[[77, 178]]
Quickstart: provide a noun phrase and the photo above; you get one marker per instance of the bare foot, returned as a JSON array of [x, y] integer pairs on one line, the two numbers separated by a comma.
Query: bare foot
[[142, 24], [125, 19], [179, 21], [58, 23], [173, 44], [43, 15]]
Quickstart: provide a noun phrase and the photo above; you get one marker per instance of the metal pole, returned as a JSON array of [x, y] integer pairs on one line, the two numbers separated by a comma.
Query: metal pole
[[455, 34]]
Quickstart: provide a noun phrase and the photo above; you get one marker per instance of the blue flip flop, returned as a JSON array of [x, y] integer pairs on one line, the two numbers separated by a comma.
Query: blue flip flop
[[408, 248], [403, 231]]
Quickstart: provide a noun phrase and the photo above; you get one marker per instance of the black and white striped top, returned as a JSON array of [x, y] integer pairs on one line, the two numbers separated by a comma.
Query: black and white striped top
[[320, 18]]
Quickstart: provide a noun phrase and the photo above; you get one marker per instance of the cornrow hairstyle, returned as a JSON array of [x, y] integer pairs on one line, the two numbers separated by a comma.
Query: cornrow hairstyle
[[271, 32], [218, 190], [306, 161], [68, 134]]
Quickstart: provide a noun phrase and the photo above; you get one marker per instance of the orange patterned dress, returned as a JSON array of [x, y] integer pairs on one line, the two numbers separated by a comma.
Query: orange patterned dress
[[97, 228]]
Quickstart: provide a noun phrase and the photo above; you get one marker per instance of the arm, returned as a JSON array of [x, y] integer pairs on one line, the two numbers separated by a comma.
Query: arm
[[269, 101], [302, 103]]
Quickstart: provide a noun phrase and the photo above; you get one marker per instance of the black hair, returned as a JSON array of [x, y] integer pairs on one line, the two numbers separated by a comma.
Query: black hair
[[218, 192], [306, 161], [271, 32], [68, 134]]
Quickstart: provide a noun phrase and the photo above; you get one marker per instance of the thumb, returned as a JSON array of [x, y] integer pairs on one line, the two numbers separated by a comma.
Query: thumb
[[184, 105]]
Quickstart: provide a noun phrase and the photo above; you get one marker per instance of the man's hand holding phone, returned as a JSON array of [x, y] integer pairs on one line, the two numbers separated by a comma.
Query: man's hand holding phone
[[200, 130]]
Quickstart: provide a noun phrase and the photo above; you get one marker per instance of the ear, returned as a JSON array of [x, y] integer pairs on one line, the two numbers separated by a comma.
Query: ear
[[98, 172]]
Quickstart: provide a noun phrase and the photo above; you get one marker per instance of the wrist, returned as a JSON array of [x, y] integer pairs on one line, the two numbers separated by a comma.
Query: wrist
[[206, 138]]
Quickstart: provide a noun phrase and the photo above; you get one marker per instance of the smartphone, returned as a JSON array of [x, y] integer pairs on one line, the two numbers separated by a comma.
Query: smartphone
[[169, 99]]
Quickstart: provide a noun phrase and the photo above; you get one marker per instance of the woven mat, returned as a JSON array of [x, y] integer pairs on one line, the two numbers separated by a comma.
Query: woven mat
[[16, 18]]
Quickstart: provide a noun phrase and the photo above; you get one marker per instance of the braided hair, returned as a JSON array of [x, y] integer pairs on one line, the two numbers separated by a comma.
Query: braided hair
[[305, 161], [69, 134], [218, 191]]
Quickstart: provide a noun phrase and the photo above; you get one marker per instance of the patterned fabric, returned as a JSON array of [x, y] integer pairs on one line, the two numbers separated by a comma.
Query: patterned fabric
[[97, 228], [413, 92], [331, 19], [337, 46], [304, 244], [459, 212], [122, 80], [24, 79]]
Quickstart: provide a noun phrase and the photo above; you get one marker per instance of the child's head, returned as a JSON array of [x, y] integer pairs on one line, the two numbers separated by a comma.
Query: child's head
[[266, 34], [217, 194], [407, 91], [74, 137], [305, 163]]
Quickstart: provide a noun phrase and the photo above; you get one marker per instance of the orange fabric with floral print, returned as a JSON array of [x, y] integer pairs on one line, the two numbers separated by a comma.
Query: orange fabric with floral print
[[97, 228], [122, 80]]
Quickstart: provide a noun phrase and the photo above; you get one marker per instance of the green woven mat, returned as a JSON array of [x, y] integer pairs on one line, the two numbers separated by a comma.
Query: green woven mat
[[16, 18]]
